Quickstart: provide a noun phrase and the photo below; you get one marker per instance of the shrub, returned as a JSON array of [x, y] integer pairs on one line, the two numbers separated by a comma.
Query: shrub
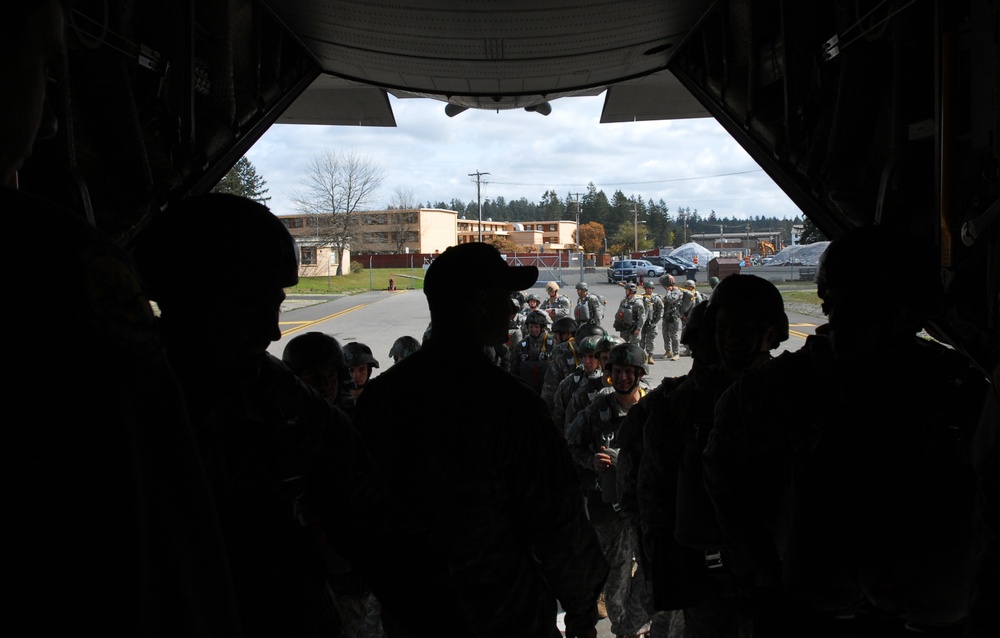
[[357, 267]]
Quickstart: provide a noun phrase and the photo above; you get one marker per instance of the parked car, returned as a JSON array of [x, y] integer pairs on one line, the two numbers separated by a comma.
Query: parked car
[[673, 265], [630, 269]]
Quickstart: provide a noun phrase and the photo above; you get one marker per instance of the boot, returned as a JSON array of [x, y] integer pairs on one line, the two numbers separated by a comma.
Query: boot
[[649, 359], [676, 357]]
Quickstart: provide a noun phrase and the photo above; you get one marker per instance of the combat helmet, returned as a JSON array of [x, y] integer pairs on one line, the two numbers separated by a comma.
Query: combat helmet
[[583, 285], [313, 349], [403, 347], [178, 264], [588, 345], [538, 317], [564, 324], [588, 330], [631, 287], [532, 297], [628, 354], [753, 294], [667, 280], [359, 354], [551, 287], [648, 285]]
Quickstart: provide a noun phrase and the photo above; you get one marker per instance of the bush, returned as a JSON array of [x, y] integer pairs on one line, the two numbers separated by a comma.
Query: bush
[[357, 267]]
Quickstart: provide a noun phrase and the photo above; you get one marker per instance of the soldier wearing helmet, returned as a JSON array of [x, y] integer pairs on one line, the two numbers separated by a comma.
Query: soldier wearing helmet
[[878, 492], [402, 348], [112, 451], [746, 315], [672, 302], [319, 361], [631, 315], [532, 302], [531, 355], [690, 298], [267, 435], [564, 357], [556, 305], [592, 440], [654, 313], [592, 384], [589, 368], [360, 362], [589, 306]]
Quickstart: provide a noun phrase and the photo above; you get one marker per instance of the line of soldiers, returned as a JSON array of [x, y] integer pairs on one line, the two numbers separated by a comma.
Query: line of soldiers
[[725, 515]]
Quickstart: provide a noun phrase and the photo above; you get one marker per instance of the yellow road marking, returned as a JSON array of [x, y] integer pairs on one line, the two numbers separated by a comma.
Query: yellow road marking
[[302, 325], [796, 333]]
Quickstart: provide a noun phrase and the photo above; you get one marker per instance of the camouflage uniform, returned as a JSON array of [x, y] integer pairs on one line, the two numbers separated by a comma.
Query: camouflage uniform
[[564, 359], [589, 309], [565, 391], [560, 306], [626, 595], [672, 300], [654, 313], [530, 358], [590, 387], [632, 311]]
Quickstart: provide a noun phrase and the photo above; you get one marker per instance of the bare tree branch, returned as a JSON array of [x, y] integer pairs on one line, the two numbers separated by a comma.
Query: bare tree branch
[[336, 185]]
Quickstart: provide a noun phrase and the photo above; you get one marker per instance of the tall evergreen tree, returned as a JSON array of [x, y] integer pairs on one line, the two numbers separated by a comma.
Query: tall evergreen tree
[[243, 180], [811, 233]]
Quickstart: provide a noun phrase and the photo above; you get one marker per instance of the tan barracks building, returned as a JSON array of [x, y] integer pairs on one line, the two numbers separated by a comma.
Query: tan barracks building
[[421, 231]]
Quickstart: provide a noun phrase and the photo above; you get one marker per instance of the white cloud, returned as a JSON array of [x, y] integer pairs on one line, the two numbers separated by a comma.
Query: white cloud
[[690, 163]]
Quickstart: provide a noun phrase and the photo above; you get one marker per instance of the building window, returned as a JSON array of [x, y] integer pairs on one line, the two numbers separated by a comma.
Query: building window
[[292, 222], [307, 256], [552, 227]]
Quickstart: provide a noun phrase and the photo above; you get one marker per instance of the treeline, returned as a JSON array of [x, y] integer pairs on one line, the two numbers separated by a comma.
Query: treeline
[[662, 225]]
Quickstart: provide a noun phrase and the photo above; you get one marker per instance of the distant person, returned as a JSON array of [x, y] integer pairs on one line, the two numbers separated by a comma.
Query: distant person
[[360, 364], [654, 313], [319, 361], [589, 306], [565, 357], [530, 357], [110, 527], [859, 511], [673, 300], [556, 305], [402, 348], [631, 316], [489, 530]]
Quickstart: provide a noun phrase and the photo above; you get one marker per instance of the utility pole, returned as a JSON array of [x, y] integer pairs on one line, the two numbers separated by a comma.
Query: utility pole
[[635, 228], [579, 248], [479, 198]]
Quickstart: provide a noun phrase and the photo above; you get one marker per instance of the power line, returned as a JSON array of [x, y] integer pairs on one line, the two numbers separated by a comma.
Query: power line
[[655, 181]]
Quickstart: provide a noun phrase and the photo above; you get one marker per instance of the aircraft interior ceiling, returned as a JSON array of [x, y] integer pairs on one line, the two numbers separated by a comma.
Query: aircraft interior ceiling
[[866, 111]]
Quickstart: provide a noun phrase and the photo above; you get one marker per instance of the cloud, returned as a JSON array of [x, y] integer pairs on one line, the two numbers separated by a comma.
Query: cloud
[[690, 163]]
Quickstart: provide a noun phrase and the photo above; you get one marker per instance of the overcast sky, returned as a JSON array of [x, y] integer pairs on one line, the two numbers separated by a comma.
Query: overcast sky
[[687, 163]]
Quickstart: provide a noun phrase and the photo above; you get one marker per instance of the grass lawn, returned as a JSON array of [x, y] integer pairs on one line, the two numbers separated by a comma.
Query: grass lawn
[[801, 296], [376, 279]]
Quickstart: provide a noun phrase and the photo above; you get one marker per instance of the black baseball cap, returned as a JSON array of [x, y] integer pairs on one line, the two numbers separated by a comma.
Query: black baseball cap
[[479, 262]]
